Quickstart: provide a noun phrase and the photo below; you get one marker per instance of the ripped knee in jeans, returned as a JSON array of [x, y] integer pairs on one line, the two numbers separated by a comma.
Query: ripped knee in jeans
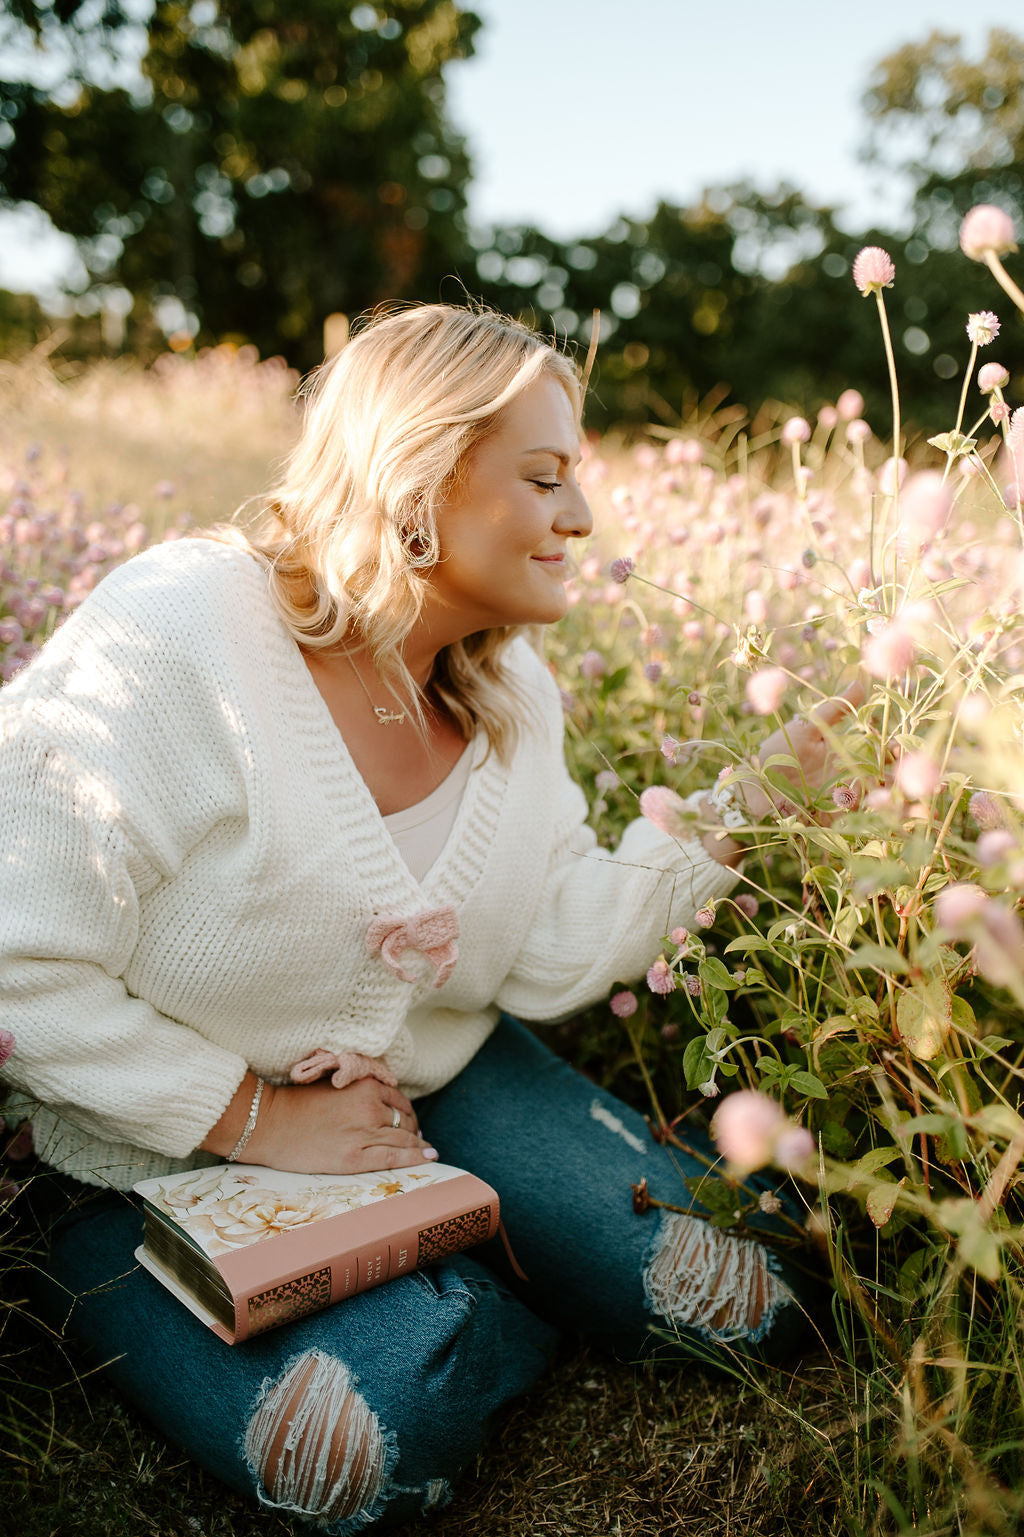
[[709, 1281], [317, 1447]]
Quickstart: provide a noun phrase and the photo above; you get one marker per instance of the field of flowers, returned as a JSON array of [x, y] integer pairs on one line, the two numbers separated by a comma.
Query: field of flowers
[[852, 1015]]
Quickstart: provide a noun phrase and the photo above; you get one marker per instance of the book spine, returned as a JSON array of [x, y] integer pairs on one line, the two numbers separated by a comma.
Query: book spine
[[301, 1272]]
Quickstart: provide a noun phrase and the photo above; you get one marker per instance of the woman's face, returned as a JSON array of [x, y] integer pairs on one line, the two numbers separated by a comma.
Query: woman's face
[[504, 529]]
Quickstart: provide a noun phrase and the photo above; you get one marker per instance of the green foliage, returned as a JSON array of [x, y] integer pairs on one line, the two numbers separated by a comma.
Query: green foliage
[[271, 168]]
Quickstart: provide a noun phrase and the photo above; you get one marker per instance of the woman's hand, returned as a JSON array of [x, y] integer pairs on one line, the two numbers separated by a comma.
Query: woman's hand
[[801, 738], [317, 1129]]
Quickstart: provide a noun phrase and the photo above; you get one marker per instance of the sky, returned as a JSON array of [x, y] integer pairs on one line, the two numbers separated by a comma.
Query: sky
[[576, 111]]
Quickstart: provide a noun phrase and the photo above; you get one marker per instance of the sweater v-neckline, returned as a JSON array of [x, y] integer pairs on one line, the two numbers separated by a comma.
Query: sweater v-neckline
[[459, 864]]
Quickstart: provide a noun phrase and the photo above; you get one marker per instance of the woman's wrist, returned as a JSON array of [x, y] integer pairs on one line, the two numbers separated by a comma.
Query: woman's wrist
[[238, 1132]]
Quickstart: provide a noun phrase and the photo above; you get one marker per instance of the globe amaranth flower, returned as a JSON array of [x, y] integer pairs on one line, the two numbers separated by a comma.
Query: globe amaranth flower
[[621, 569], [796, 430], [592, 665], [660, 977], [850, 405], [765, 689], [986, 228], [746, 1127], [873, 270], [667, 810], [992, 376], [623, 1005], [982, 327], [986, 810]]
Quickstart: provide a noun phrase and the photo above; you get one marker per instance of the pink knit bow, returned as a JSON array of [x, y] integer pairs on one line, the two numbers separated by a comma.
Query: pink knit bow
[[432, 933]]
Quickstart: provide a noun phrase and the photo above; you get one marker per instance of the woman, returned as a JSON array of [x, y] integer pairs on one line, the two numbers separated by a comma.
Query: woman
[[288, 836]]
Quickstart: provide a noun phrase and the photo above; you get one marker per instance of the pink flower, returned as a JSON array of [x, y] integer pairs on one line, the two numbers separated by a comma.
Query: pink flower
[[827, 417], [999, 411], [623, 1005], [747, 904], [747, 1127], [873, 270], [982, 327], [918, 775], [846, 797], [592, 665], [704, 917], [888, 653], [691, 982], [994, 845], [796, 430], [679, 936], [621, 569], [986, 810], [652, 671], [957, 905], [765, 689], [850, 405], [793, 1148], [891, 475], [925, 505], [671, 749], [660, 977], [992, 376], [986, 228], [666, 809], [857, 431], [6, 1045]]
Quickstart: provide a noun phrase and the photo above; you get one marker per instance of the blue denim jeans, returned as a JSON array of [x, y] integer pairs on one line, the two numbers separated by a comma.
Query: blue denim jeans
[[361, 1416]]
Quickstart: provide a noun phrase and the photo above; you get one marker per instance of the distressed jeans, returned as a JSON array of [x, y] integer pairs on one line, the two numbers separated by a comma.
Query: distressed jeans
[[360, 1417]]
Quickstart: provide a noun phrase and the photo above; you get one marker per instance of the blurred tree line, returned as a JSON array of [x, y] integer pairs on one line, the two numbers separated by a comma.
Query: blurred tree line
[[239, 169]]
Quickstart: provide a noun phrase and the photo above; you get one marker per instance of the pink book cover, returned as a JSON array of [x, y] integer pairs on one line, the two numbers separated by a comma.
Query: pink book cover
[[289, 1244]]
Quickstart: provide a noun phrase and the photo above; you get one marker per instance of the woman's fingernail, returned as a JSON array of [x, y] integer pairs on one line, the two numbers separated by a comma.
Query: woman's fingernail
[[420, 1135], [430, 1153]]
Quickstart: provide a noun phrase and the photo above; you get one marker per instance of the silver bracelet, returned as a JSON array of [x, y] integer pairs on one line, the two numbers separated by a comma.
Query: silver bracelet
[[726, 806], [250, 1125]]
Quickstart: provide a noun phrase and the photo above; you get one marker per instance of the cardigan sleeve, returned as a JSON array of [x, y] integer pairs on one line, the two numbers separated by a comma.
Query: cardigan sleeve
[[101, 792], [602, 915]]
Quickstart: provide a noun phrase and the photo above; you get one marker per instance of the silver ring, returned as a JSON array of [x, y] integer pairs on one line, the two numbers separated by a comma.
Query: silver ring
[[396, 1118]]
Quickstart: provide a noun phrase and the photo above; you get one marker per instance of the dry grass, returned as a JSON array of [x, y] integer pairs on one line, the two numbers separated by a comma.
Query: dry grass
[[190, 439], [598, 1447]]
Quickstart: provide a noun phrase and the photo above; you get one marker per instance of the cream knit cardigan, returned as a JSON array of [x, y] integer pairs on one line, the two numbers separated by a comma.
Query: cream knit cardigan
[[191, 862]]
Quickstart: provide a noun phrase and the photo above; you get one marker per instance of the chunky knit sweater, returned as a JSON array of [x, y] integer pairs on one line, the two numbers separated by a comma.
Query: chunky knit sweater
[[191, 867]]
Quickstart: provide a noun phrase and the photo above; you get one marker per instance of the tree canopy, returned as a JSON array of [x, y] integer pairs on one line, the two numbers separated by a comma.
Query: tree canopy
[[244, 170]]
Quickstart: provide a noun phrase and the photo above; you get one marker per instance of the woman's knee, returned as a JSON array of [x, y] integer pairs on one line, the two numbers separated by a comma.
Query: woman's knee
[[710, 1283], [317, 1448]]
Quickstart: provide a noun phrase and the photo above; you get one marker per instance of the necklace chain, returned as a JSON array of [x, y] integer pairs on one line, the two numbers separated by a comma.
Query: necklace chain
[[385, 717]]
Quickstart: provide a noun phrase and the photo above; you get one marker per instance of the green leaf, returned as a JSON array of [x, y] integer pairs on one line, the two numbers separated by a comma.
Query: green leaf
[[714, 974], [877, 1158], [924, 1016], [806, 1083], [698, 1065], [747, 943], [881, 1201]]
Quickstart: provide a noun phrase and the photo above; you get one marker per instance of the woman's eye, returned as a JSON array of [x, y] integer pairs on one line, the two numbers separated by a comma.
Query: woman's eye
[[548, 485]]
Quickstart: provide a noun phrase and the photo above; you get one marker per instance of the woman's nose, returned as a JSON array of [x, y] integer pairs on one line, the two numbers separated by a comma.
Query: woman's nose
[[574, 519]]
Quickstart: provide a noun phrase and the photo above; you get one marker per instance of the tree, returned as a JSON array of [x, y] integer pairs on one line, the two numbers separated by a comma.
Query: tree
[[271, 165], [953, 127]]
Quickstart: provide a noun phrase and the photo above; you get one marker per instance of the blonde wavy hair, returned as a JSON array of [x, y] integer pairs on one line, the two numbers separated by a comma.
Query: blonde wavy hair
[[350, 535]]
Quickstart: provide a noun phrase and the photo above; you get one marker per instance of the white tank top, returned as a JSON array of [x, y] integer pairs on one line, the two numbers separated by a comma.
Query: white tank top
[[420, 832]]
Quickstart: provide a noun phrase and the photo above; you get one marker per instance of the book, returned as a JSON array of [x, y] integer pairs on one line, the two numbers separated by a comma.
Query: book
[[247, 1248]]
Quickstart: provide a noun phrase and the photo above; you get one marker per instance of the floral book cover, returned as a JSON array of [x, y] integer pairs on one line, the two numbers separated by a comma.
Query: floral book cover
[[248, 1248]]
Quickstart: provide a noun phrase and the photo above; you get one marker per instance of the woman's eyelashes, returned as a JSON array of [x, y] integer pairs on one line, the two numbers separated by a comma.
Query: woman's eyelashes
[[547, 485]]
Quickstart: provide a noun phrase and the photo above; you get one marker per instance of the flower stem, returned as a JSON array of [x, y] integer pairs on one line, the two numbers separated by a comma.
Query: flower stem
[[897, 432], [963, 392], [1004, 279]]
